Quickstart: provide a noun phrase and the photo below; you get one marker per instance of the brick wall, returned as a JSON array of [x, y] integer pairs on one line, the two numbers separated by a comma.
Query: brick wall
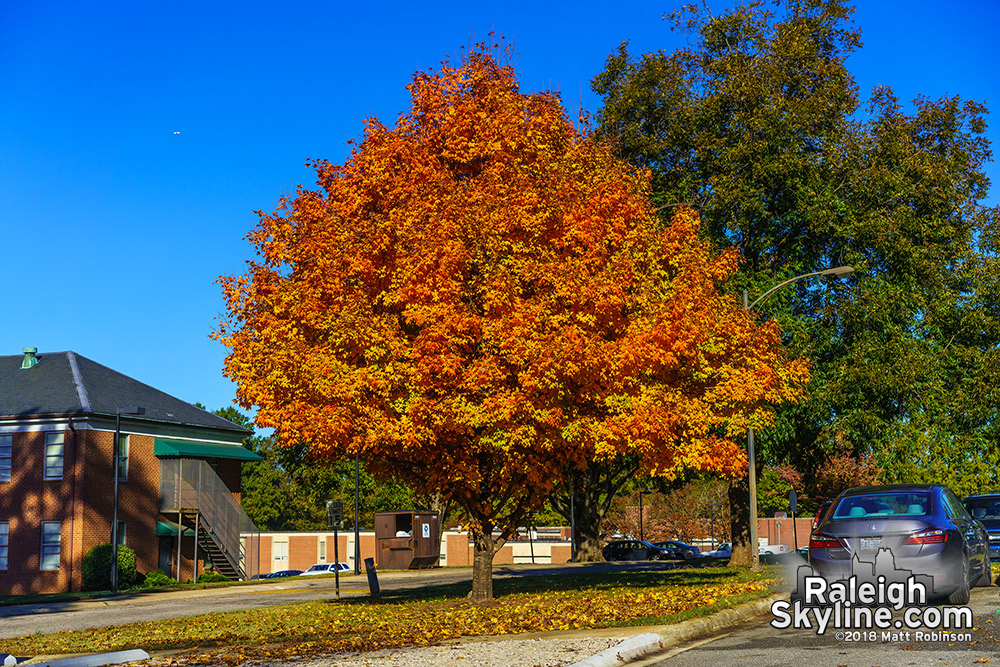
[[779, 531], [83, 501], [25, 502], [457, 548], [265, 554], [560, 553], [303, 551]]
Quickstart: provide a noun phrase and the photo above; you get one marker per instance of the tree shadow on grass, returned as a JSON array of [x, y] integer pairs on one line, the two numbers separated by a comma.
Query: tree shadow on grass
[[693, 576]]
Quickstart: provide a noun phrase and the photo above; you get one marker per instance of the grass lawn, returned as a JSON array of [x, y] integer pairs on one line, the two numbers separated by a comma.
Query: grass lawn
[[425, 616]]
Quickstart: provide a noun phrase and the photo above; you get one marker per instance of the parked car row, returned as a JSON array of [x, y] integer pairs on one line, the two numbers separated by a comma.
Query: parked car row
[[318, 568], [643, 550]]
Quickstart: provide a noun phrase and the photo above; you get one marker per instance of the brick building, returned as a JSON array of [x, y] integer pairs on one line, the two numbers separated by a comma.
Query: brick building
[[179, 472]]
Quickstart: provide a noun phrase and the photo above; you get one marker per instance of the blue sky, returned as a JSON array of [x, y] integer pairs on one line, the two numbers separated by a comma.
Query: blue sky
[[115, 228]]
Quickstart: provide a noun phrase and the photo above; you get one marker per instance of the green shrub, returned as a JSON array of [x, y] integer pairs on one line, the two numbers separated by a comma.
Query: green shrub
[[211, 577], [97, 568], [157, 578]]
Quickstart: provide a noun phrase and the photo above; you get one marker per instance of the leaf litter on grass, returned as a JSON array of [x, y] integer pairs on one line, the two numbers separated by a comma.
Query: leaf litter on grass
[[361, 625]]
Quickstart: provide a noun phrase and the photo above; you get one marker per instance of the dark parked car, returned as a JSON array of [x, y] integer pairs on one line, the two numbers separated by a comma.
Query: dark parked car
[[985, 508], [635, 550], [924, 526], [682, 549], [283, 573], [821, 512]]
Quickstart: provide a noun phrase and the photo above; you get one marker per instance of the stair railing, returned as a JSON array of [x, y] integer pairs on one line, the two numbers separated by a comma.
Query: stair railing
[[190, 485]]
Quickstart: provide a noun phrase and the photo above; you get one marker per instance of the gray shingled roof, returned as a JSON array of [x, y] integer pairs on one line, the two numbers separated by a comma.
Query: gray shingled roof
[[68, 383]]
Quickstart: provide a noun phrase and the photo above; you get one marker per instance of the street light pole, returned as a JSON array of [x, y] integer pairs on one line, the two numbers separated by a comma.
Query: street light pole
[[116, 462], [357, 528], [711, 515], [838, 272]]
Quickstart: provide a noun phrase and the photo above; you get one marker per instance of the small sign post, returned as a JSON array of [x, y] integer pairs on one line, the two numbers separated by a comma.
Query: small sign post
[[792, 506], [335, 517]]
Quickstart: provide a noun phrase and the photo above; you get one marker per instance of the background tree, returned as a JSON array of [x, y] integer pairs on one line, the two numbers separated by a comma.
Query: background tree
[[586, 497], [480, 299], [288, 490], [757, 124]]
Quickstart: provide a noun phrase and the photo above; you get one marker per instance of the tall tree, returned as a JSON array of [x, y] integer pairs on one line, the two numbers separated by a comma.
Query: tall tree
[[480, 300], [757, 124]]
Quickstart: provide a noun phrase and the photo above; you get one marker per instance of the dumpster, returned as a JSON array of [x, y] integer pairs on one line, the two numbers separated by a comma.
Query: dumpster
[[407, 540]]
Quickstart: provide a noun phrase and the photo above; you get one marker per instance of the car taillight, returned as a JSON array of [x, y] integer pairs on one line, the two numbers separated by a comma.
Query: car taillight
[[931, 536], [824, 542]]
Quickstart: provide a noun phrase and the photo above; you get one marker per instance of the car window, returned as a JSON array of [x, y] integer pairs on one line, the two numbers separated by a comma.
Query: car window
[[989, 504], [956, 510], [908, 503]]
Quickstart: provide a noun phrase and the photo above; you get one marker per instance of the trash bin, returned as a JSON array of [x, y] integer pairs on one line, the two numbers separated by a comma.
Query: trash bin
[[407, 540]]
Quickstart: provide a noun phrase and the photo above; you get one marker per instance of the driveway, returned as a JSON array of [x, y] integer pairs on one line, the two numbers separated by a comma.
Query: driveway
[[761, 645]]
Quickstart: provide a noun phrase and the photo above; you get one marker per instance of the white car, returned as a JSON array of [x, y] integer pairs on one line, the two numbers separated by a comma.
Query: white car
[[725, 550], [326, 568]]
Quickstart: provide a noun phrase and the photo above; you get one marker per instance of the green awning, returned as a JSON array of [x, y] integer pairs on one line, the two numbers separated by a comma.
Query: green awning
[[169, 529], [190, 449]]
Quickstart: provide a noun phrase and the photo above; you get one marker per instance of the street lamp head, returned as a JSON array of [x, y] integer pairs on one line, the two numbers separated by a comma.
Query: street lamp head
[[132, 410], [838, 272]]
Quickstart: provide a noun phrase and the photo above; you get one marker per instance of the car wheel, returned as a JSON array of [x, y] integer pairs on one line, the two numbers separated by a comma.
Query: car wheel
[[609, 558], [655, 556], [962, 593], [985, 577]]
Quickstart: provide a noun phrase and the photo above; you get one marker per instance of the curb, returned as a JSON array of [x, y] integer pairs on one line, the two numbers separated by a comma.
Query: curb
[[649, 643]]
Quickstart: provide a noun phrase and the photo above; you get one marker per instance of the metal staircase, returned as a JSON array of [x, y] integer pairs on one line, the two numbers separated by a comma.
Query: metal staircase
[[225, 534]]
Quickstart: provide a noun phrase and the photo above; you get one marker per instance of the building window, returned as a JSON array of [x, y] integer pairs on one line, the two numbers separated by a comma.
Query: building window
[[53, 455], [121, 533], [322, 549], [123, 458], [51, 544], [4, 540], [5, 457], [280, 551]]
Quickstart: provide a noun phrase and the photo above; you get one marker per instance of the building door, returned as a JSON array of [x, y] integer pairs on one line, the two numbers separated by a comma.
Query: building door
[[166, 557]]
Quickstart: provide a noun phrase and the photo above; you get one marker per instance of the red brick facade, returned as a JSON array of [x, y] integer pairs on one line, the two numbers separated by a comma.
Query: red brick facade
[[81, 501]]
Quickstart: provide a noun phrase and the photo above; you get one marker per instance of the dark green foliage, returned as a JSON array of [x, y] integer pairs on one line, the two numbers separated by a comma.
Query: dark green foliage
[[758, 124], [211, 578], [157, 578], [288, 490], [96, 570]]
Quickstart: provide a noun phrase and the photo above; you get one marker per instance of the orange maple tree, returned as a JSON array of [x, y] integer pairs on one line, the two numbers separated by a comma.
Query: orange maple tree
[[481, 298]]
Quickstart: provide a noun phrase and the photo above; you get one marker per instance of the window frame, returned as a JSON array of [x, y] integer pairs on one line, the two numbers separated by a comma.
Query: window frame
[[46, 475], [123, 438], [51, 547], [4, 544], [6, 444]]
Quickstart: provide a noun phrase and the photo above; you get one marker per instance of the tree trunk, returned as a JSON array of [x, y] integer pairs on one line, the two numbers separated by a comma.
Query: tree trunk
[[593, 491], [482, 567], [437, 502], [588, 528], [739, 507]]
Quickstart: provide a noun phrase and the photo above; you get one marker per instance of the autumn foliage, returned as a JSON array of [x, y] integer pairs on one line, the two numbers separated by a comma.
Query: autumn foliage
[[481, 298]]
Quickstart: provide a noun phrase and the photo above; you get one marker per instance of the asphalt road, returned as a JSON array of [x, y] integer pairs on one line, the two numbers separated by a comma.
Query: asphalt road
[[20, 620], [761, 645]]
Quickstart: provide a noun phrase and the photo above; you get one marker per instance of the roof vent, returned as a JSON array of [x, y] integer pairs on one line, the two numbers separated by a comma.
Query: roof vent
[[29, 357]]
